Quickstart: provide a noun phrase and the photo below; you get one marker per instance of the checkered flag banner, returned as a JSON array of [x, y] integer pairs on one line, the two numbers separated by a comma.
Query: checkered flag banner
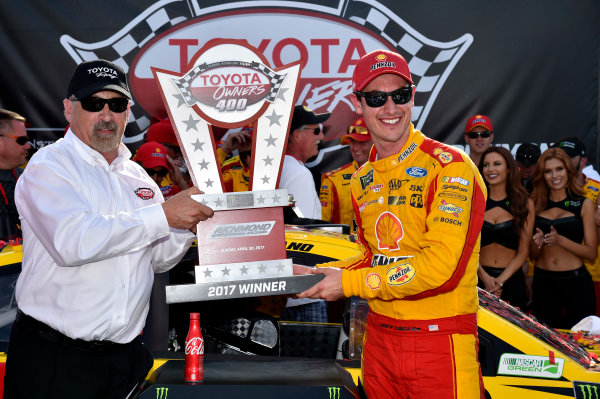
[[184, 83], [122, 47], [430, 62]]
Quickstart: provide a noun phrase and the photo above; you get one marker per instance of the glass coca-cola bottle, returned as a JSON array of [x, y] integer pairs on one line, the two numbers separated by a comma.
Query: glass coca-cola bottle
[[194, 352]]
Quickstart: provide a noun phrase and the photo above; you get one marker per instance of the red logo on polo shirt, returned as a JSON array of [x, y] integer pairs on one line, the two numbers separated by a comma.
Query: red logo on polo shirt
[[145, 193]]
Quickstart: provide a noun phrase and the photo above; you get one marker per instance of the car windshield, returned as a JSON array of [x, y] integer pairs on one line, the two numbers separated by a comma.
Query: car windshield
[[529, 323]]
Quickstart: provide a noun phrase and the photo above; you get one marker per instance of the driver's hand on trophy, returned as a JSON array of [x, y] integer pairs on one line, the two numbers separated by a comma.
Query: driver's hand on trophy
[[301, 269], [329, 289], [183, 212], [237, 141]]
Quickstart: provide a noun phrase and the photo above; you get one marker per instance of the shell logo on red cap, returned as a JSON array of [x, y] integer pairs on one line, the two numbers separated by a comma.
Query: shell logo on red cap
[[380, 57]]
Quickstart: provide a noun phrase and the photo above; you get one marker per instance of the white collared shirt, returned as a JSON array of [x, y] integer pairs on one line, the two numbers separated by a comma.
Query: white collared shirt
[[94, 234], [299, 182]]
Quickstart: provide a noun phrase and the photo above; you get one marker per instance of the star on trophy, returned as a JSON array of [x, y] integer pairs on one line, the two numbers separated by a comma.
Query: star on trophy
[[241, 250]]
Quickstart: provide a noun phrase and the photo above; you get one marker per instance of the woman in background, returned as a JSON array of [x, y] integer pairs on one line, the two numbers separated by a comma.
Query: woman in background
[[565, 235], [507, 228]]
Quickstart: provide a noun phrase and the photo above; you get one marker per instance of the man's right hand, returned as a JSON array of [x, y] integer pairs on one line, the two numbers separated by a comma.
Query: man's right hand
[[183, 212]]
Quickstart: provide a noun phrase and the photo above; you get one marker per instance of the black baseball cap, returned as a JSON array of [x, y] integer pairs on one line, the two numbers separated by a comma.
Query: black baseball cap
[[93, 76], [305, 116], [528, 154], [572, 146]]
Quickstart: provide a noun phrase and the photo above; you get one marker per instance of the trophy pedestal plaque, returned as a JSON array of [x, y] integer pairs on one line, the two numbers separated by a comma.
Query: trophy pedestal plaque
[[242, 250]]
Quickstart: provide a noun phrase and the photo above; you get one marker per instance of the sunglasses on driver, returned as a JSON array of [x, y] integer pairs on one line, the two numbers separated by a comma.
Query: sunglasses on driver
[[376, 99]]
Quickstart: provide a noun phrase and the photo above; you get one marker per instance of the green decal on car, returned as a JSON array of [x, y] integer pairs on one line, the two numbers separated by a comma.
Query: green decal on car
[[162, 393], [334, 392], [586, 390], [530, 366]]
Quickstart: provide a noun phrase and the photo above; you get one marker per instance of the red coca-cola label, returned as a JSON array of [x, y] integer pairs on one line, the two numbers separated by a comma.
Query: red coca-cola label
[[194, 346]]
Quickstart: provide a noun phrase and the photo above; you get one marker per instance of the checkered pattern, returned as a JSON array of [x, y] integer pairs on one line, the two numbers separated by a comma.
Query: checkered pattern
[[430, 62], [274, 78], [265, 333], [315, 312], [240, 327], [185, 82], [124, 46]]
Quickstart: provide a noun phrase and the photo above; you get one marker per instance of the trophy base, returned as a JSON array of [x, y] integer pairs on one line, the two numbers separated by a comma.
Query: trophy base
[[241, 288]]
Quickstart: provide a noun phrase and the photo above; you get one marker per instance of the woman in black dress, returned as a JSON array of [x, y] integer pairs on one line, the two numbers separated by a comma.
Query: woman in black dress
[[507, 227], [565, 235]]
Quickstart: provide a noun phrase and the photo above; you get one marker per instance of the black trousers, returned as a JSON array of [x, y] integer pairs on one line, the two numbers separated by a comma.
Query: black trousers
[[514, 290], [43, 363], [562, 299]]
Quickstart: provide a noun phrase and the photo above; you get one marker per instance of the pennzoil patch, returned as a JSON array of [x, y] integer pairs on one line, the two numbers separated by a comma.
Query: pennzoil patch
[[401, 274], [145, 193]]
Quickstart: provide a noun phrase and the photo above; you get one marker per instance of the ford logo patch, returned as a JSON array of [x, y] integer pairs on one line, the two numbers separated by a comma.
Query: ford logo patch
[[416, 172]]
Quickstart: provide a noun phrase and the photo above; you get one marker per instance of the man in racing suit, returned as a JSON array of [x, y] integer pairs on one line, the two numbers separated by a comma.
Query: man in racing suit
[[336, 204], [419, 206]]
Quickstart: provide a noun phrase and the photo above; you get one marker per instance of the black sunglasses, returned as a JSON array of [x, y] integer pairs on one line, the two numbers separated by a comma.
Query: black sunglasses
[[96, 104], [376, 99], [21, 140], [484, 135], [316, 130], [161, 172]]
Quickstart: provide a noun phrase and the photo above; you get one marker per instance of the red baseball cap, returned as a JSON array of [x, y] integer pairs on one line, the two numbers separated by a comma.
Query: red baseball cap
[[377, 63], [357, 131], [162, 132], [478, 120], [151, 155]]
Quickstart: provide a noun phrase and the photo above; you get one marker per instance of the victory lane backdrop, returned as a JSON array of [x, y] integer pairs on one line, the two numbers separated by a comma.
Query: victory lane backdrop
[[531, 66]]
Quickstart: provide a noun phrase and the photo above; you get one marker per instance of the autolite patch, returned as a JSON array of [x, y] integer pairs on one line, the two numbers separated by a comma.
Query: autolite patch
[[145, 193]]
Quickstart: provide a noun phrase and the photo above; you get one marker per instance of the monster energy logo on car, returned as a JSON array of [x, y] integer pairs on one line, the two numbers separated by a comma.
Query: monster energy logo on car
[[162, 393], [334, 392], [586, 390]]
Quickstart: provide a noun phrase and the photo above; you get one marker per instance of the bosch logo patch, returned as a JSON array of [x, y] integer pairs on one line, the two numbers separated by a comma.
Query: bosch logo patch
[[145, 193]]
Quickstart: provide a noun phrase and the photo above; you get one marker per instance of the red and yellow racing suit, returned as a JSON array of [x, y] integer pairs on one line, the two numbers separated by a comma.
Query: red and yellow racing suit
[[336, 204], [419, 215], [591, 188]]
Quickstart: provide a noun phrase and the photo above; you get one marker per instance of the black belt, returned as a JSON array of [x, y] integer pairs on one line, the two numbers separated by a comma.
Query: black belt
[[55, 336]]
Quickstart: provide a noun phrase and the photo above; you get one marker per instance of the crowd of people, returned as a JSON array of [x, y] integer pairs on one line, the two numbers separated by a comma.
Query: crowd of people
[[525, 229]]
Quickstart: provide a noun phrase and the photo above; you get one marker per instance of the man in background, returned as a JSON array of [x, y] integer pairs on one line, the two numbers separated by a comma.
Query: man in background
[[303, 144], [526, 157], [479, 135], [14, 147], [335, 185]]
